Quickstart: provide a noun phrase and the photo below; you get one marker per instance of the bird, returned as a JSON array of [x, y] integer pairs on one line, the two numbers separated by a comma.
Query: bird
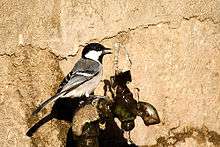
[[85, 76]]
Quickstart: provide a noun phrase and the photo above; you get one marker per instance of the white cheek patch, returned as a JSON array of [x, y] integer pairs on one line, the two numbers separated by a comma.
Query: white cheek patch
[[94, 55]]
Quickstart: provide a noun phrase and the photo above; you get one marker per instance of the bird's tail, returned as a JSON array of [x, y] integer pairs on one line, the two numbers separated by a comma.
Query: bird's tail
[[42, 105]]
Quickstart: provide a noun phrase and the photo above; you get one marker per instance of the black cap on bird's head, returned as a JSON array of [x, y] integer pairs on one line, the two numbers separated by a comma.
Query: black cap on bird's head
[[95, 51]]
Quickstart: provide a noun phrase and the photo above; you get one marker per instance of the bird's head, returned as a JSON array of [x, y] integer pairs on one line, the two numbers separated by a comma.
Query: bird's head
[[95, 51]]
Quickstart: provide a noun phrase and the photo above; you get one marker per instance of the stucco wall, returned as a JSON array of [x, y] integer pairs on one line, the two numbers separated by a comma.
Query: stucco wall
[[174, 47]]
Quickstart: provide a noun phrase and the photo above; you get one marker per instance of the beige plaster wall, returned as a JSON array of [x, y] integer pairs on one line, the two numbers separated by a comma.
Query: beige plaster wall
[[174, 47]]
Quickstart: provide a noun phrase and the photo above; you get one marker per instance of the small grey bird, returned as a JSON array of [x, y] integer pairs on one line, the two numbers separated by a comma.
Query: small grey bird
[[84, 77]]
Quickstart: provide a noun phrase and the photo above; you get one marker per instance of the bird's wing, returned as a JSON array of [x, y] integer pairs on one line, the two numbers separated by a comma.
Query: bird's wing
[[77, 79], [84, 70]]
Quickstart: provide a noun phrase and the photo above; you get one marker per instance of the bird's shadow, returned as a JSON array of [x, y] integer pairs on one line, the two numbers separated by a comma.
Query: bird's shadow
[[65, 108]]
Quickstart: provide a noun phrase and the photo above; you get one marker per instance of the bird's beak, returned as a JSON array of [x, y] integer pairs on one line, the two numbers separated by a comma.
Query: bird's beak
[[107, 51]]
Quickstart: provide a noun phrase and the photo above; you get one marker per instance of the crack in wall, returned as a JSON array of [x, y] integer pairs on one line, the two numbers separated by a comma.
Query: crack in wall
[[9, 55], [139, 27], [58, 57], [197, 17], [146, 26]]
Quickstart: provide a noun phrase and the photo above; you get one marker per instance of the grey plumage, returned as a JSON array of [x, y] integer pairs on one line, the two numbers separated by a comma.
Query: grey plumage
[[83, 71], [77, 76]]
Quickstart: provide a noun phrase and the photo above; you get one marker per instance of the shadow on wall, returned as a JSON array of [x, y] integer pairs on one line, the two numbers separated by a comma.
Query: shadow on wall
[[64, 109]]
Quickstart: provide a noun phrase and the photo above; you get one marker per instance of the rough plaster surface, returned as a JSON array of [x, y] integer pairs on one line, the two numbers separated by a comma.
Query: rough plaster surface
[[174, 47]]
